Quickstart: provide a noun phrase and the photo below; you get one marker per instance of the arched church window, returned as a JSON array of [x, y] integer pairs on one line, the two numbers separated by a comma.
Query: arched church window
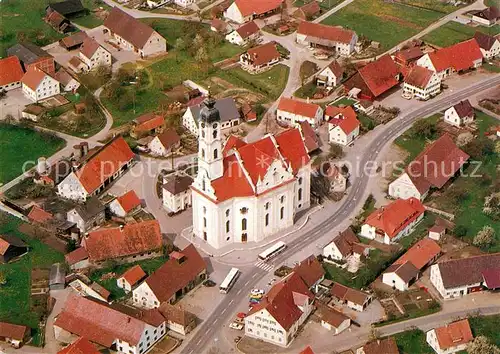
[[227, 226], [202, 153], [216, 153], [244, 224]]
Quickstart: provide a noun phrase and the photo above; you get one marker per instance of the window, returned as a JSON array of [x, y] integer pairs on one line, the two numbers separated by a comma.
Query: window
[[227, 226], [216, 153], [244, 210], [204, 222], [300, 180], [282, 199], [204, 210], [267, 219], [227, 213], [244, 224], [202, 153], [300, 193], [267, 205], [282, 213], [215, 133]]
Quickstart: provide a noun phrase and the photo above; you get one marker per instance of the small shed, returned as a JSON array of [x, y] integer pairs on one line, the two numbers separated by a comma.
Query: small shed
[[57, 278], [436, 232], [33, 112], [11, 248]]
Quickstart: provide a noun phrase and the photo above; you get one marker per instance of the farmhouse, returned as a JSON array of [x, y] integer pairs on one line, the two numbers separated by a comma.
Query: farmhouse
[[345, 245], [487, 17], [87, 215], [332, 319], [77, 259], [422, 83], [80, 346], [38, 85], [307, 11], [125, 204], [11, 73], [32, 56], [179, 275], [15, 335], [354, 299], [68, 82], [490, 46], [451, 338], [67, 8], [178, 320], [131, 34], [244, 34], [389, 223], [165, 143], [460, 57], [343, 125], [94, 55], [132, 277], [241, 11], [58, 22], [147, 124], [432, 168], [291, 112], [458, 277], [97, 170], [11, 248], [260, 58], [73, 41], [228, 113], [318, 35], [177, 193], [408, 57], [460, 114], [331, 75], [277, 318]]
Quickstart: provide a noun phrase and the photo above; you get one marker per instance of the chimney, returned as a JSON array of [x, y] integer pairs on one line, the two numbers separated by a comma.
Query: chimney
[[84, 148], [77, 151], [307, 99]]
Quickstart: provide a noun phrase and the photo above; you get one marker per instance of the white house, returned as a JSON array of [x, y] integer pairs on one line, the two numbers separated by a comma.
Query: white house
[[437, 232], [343, 125], [331, 75], [244, 34], [241, 11], [38, 85], [94, 55], [452, 338], [11, 73], [14, 335], [315, 34], [164, 143], [393, 221], [487, 17], [345, 245], [292, 111], [354, 299], [422, 83], [68, 82], [490, 46], [177, 193], [261, 58], [333, 320], [125, 204], [130, 278], [277, 318], [264, 196], [460, 114], [88, 215], [228, 113]]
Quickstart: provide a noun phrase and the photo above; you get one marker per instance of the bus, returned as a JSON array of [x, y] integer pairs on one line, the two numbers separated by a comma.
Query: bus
[[229, 281], [273, 251]]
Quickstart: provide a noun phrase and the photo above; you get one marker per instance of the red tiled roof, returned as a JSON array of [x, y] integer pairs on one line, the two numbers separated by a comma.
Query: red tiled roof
[[331, 316], [104, 163], [310, 9], [9, 330], [129, 201], [336, 69], [308, 350], [219, 25], [326, 32], [176, 274], [345, 293], [419, 77], [292, 148], [74, 39], [460, 56], [169, 138], [257, 7], [490, 13], [33, 77], [408, 55], [437, 228], [234, 176], [133, 275], [76, 256], [131, 239], [345, 118], [263, 54], [467, 271], [396, 216], [464, 109], [347, 243], [80, 346], [310, 270], [89, 47], [454, 334], [380, 75], [39, 215], [311, 140], [10, 70], [491, 278], [247, 29], [257, 157], [232, 142], [421, 253], [148, 122], [302, 108], [381, 346]]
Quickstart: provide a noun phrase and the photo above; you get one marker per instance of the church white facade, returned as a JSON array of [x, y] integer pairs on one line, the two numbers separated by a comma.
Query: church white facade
[[245, 192]]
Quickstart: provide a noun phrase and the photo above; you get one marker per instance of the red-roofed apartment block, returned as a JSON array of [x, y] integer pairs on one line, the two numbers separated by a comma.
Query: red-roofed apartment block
[[11, 73], [291, 112], [242, 11], [343, 125], [341, 40], [393, 221]]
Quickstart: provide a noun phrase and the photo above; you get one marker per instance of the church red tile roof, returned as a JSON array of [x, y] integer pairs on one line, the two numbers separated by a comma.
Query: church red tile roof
[[380, 75], [345, 118], [129, 201], [421, 253], [460, 56], [233, 142], [10, 70], [133, 275], [301, 108], [292, 148], [454, 334], [80, 346], [257, 7], [395, 216], [330, 33]]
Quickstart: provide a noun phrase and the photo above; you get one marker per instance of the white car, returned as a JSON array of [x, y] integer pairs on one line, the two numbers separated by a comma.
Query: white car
[[237, 326], [256, 292]]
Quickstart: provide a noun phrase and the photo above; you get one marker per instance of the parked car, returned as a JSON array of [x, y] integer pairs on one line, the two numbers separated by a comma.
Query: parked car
[[257, 292], [236, 326]]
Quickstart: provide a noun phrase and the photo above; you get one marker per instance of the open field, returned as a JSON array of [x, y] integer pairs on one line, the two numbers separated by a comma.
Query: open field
[[325, 5], [20, 144], [454, 32], [15, 295], [413, 341], [91, 20], [382, 21], [436, 5]]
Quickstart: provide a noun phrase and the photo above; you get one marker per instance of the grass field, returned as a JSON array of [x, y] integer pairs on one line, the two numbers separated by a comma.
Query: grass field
[[325, 5], [486, 326], [20, 144], [91, 20], [454, 32], [414, 144], [441, 6], [15, 295], [413, 342], [382, 21]]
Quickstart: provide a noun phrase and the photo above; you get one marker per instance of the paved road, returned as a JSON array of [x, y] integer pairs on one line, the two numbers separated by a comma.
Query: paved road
[[332, 11], [226, 308], [148, 14]]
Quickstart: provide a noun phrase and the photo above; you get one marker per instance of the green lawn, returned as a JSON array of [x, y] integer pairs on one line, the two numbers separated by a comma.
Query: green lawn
[[382, 21], [91, 20], [15, 295], [344, 101], [20, 145], [454, 32], [325, 5], [486, 326], [492, 68], [413, 342], [306, 91], [440, 6]]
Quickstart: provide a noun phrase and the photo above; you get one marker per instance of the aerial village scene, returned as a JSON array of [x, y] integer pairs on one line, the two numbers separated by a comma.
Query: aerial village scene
[[249, 176]]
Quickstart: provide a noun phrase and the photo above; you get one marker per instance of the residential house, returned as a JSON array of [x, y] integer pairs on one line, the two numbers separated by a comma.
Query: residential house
[[261, 58], [32, 56], [11, 248], [131, 278], [375, 78], [241, 11], [124, 244], [88, 215], [73, 41], [332, 319], [311, 139], [354, 299], [338, 181], [77, 65], [308, 11], [68, 82], [343, 125], [177, 319], [14, 335], [460, 114], [277, 318], [80, 346], [179, 275], [458, 277], [11, 73], [68, 8], [77, 259], [408, 57], [345, 245], [165, 143], [291, 112], [409, 266], [459, 57], [94, 55], [421, 83], [134, 35], [490, 46], [228, 113], [437, 232], [147, 124], [452, 338], [38, 85], [97, 170], [487, 17], [331, 75], [111, 326], [219, 26], [342, 41], [58, 22], [244, 34], [432, 168], [177, 193], [379, 346], [125, 204], [311, 271]]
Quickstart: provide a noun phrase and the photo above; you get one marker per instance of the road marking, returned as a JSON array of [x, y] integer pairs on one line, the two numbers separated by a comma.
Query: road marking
[[198, 343], [247, 283], [216, 320], [224, 310], [230, 302]]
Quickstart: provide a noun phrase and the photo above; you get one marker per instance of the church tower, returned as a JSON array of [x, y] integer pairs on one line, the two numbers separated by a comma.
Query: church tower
[[210, 141]]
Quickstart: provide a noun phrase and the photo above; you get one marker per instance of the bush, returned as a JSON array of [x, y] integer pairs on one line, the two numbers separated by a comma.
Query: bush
[[484, 237], [424, 129], [479, 149], [336, 151], [460, 230]]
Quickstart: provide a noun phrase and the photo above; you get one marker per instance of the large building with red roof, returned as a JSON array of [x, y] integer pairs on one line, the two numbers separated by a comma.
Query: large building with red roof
[[393, 221], [241, 11], [421, 83], [245, 192], [291, 112], [341, 40], [260, 58], [38, 85], [11, 73]]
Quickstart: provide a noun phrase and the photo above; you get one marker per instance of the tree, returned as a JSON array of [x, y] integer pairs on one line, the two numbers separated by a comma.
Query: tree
[[460, 230], [464, 138], [180, 44], [458, 194], [335, 151], [479, 148], [484, 237], [3, 278], [424, 128], [201, 55], [482, 345], [497, 147], [198, 41]]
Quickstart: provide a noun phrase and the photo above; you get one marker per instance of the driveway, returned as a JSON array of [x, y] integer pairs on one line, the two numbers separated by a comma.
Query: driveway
[[13, 103]]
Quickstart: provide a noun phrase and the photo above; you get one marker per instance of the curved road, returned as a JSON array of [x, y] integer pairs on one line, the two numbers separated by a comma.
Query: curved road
[[227, 307]]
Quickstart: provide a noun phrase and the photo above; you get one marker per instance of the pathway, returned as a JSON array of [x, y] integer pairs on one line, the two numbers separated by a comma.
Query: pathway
[[147, 14], [332, 11]]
